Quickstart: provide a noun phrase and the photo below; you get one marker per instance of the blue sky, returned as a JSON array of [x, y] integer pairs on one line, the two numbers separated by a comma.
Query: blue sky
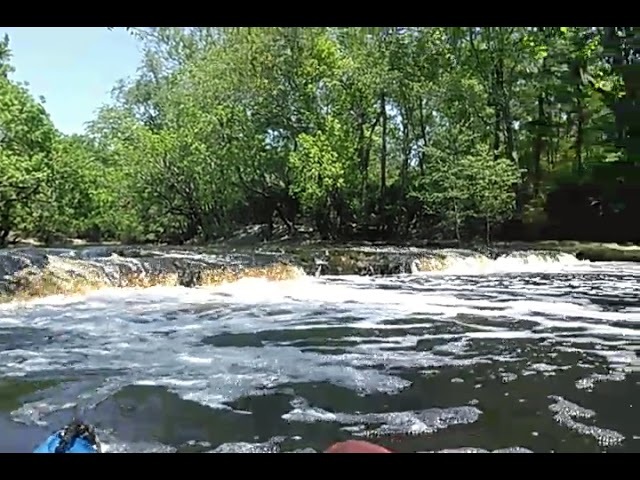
[[73, 68]]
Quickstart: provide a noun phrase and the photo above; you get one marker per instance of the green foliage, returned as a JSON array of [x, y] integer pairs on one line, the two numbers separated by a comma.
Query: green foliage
[[26, 148], [450, 131]]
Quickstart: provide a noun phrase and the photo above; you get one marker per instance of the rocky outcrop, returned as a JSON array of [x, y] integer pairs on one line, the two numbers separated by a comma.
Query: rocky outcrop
[[29, 273], [379, 260], [34, 272]]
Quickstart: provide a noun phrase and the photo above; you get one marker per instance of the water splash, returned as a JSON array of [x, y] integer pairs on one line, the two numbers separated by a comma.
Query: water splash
[[369, 338]]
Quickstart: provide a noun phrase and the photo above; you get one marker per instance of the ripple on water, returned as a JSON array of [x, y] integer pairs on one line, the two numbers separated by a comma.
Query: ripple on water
[[372, 336]]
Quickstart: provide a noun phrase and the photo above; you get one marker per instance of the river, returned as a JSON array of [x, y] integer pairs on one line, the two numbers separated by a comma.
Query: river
[[513, 354]]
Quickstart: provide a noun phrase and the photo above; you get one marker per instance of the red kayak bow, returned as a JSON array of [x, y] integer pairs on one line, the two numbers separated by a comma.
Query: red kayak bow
[[356, 446]]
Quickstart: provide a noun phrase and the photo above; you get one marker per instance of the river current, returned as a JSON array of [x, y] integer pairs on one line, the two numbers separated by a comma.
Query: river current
[[518, 354]]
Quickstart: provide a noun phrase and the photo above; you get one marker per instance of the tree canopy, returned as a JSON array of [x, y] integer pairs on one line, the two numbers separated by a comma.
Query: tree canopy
[[456, 132]]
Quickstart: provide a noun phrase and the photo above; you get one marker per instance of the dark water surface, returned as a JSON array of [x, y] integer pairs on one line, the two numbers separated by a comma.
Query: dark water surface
[[528, 355]]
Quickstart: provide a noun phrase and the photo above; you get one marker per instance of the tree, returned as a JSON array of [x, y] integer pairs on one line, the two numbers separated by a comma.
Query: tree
[[27, 137]]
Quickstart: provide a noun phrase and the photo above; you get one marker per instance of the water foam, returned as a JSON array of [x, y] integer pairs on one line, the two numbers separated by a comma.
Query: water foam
[[565, 413], [392, 423], [370, 330], [458, 263]]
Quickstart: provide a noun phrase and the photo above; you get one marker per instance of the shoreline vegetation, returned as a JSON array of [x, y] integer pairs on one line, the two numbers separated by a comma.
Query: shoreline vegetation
[[442, 136]]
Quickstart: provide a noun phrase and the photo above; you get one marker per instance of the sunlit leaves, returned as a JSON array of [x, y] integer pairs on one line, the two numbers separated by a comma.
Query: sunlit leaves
[[227, 125]]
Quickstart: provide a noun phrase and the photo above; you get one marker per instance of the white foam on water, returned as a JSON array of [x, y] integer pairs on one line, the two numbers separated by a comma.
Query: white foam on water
[[110, 443], [381, 424], [155, 336], [566, 413], [482, 450], [517, 262]]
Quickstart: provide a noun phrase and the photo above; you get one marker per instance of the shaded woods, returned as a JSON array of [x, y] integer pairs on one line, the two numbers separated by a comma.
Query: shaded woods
[[358, 133]]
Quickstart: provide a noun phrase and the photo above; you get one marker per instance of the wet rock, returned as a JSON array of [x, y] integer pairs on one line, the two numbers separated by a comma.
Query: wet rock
[[38, 273], [33, 272], [372, 260], [12, 261], [387, 260]]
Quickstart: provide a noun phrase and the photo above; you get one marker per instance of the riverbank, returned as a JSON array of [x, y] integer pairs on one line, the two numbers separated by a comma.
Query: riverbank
[[592, 251]]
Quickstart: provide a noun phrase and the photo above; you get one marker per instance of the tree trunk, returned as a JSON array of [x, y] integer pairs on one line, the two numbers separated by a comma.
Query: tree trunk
[[406, 151], [457, 222], [579, 137], [538, 145], [487, 229], [383, 153]]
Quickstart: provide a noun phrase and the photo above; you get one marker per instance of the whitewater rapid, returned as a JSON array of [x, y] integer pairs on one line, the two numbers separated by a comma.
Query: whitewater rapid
[[516, 317]]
